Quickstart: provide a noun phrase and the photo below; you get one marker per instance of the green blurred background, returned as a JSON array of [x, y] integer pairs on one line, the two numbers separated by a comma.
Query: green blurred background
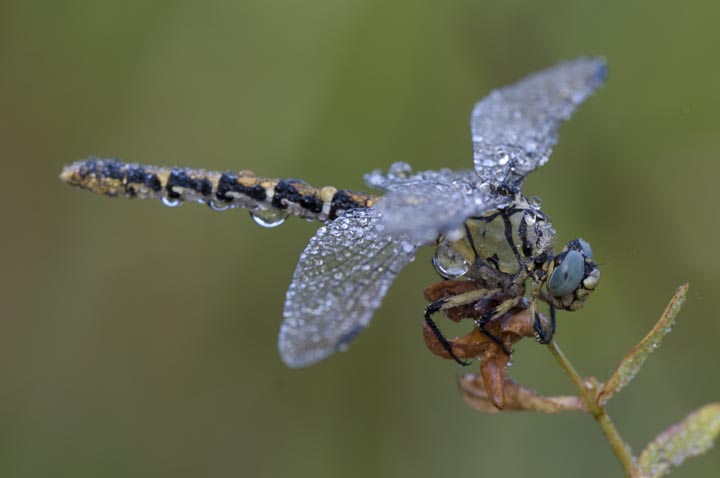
[[137, 340]]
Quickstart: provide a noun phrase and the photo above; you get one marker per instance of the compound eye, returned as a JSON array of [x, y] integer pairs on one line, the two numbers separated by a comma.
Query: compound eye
[[566, 277]]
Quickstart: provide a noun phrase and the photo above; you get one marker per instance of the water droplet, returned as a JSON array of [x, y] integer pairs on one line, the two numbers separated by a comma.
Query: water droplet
[[454, 234], [501, 157], [466, 188], [400, 169], [269, 217], [218, 206], [171, 202], [448, 262], [407, 247]]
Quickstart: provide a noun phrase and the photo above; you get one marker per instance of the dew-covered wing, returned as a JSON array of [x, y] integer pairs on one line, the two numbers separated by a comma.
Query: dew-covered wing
[[514, 128], [428, 203], [341, 278], [401, 173]]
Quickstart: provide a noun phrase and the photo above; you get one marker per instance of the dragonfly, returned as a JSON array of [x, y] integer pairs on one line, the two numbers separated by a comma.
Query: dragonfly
[[485, 231]]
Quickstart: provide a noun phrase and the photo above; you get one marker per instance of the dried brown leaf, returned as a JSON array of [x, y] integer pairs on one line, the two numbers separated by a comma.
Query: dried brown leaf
[[471, 345], [517, 397], [631, 363], [493, 371], [512, 327]]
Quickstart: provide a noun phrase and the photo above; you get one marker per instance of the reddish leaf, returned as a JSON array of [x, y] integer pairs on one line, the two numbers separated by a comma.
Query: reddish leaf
[[471, 345], [493, 371], [517, 398], [512, 327]]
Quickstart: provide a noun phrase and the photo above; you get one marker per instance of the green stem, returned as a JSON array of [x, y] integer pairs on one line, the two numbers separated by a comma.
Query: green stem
[[589, 396]]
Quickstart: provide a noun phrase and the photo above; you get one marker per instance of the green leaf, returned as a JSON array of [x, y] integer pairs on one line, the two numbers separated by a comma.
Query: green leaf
[[631, 363], [691, 437]]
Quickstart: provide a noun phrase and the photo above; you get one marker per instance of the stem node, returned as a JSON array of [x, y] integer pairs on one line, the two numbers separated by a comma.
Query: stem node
[[588, 392]]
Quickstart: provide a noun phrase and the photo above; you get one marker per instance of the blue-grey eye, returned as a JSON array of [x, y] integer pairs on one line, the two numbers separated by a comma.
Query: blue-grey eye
[[567, 275], [585, 248]]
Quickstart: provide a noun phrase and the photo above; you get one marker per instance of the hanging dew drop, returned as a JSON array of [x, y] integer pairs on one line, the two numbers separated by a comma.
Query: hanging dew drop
[[218, 206], [171, 202], [449, 263], [400, 169], [269, 217]]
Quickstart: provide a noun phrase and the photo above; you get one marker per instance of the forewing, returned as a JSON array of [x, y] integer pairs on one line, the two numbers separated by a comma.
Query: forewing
[[423, 205], [423, 210], [514, 128], [401, 173], [341, 278]]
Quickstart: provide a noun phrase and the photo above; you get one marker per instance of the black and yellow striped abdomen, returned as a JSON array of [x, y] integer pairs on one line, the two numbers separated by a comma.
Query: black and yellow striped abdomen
[[111, 177]]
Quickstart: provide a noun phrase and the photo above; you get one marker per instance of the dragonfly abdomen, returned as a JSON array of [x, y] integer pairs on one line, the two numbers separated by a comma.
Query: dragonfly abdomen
[[115, 178]]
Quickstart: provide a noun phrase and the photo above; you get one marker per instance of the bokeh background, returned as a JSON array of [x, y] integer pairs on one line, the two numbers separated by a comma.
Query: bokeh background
[[137, 340]]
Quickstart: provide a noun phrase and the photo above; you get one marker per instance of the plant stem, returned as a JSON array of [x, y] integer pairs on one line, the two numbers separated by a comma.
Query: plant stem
[[588, 393]]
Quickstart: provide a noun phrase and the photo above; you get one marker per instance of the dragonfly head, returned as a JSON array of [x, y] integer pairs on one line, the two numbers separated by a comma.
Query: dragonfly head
[[572, 275]]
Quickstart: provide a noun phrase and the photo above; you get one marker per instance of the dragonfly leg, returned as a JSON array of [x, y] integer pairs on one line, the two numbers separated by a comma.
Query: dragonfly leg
[[493, 314], [429, 310], [544, 336], [449, 303]]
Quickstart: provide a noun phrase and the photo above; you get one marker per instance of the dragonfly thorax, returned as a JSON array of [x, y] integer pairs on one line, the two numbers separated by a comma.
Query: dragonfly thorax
[[503, 247], [513, 244]]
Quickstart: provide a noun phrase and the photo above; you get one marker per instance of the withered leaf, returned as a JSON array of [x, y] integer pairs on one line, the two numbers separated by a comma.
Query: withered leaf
[[493, 370], [471, 345], [513, 326], [516, 397]]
